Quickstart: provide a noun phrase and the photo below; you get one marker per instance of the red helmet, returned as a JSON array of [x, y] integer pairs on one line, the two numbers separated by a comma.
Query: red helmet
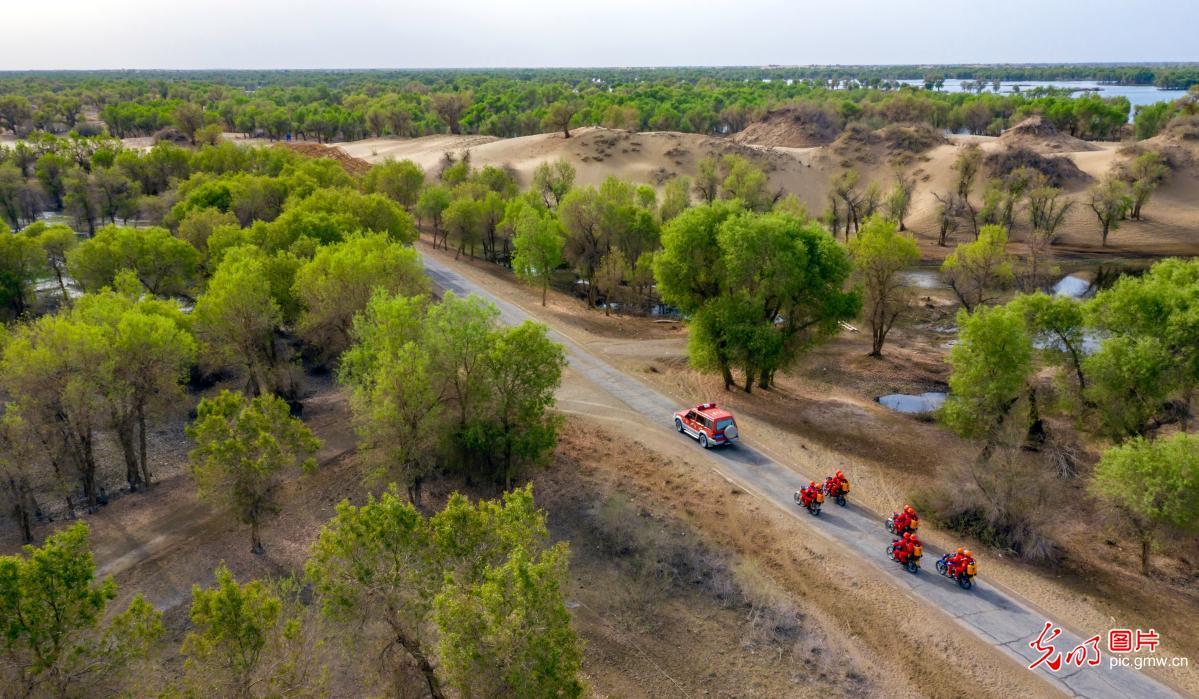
[[812, 484], [908, 509], [907, 535], [960, 551], [968, 554], [839, 474]]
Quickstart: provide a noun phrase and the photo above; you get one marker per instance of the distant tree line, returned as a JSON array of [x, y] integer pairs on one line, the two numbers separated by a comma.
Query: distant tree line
[[325, 106]]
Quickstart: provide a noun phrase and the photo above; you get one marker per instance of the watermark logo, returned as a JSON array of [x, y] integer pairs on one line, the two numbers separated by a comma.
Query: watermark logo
[[1122, 644]]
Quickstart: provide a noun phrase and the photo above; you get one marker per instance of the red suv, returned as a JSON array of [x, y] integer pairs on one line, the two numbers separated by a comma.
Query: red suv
[[711, 426]]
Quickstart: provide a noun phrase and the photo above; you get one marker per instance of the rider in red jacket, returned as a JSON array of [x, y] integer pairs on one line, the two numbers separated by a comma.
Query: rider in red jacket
[[808, 495], [904, 519], [965, 559], [903, 547], [834, 483]]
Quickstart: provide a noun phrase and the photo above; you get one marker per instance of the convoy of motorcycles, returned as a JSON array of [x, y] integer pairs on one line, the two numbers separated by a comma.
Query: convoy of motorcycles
[[906, 549]]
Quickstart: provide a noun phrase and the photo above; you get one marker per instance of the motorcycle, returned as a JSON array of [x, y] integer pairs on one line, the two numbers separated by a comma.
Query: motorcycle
[[913, 525], [813, 507], [965, 580], [912, 565], [838, 494]]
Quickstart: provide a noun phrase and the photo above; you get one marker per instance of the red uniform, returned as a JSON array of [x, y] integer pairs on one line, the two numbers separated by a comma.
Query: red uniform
[[905, 548], [808, 495]]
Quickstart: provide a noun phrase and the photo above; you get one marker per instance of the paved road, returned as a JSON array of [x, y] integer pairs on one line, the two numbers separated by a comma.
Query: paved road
[[998, 618]]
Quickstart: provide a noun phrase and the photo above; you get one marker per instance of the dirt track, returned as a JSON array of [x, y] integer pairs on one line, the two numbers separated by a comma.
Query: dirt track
[[999, 618]]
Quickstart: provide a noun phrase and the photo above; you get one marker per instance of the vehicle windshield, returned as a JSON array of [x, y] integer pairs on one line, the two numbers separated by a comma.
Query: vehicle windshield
[[723, 423]]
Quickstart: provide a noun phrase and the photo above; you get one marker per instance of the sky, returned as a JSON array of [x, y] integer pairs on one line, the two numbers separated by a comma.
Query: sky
[[114, 34]]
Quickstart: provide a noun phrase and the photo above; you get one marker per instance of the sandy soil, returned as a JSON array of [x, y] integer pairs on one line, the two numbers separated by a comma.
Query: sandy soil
[[825, 412]]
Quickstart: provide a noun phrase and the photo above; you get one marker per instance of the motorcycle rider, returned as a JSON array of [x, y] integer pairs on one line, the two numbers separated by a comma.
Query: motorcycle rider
[[903, 520], [835, 483], [903, 547], [963, 561], [808, 495]]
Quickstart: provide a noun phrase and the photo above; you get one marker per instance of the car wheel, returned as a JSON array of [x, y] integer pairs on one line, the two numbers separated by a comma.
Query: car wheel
[[703, 440], [678, 424]]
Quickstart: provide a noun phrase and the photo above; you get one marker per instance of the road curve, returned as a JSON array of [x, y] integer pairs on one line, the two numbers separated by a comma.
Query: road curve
[[1001, 619]]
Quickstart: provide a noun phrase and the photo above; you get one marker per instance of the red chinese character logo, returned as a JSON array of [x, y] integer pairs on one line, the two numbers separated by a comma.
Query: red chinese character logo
[[1147, 639], [1044, 646], [1087, 651], [1119, 640]]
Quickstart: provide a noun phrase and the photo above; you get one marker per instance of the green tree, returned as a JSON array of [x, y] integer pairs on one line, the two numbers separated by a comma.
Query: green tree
[[967, 165], [1155, 483], [977, 270], [398, 397], [1111, 200], [431, 205], [17, 470], [337, 283], [463, 220], [164, 264], [707, 178], [149, 354], [385, 563], [21, 263], [401, 181], [55, 370], [610, 276], [1131, 379], [21, 200], [676, 196], [188, 118], [236, 318], [538, 244], [899, 201], [879, 253], [581, 213], [57, 242], [794, 274], [1154, 352], [199, 223], [560, 114], [117, 195], [450, 107], [81, 199], [991, 367], [510, 634], [329, 215], [1147, 172], [244, 450], [50, 170], [521, 371], [248, 642], [553, 180], [15, 110], [747, 182], [1061, 322], [56, 638]]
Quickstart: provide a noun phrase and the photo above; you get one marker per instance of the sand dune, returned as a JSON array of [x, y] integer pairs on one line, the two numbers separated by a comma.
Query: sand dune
[[1172, 217]]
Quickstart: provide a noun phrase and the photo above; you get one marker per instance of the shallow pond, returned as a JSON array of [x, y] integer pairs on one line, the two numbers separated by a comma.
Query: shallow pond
[[914, 405]]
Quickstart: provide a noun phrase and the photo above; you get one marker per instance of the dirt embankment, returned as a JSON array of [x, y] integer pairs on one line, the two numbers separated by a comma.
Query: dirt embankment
[[796, 126], [1038, 134], [354, 166]]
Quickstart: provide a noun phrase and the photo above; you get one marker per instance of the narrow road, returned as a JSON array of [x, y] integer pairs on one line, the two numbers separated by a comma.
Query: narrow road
[[999, 618]]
